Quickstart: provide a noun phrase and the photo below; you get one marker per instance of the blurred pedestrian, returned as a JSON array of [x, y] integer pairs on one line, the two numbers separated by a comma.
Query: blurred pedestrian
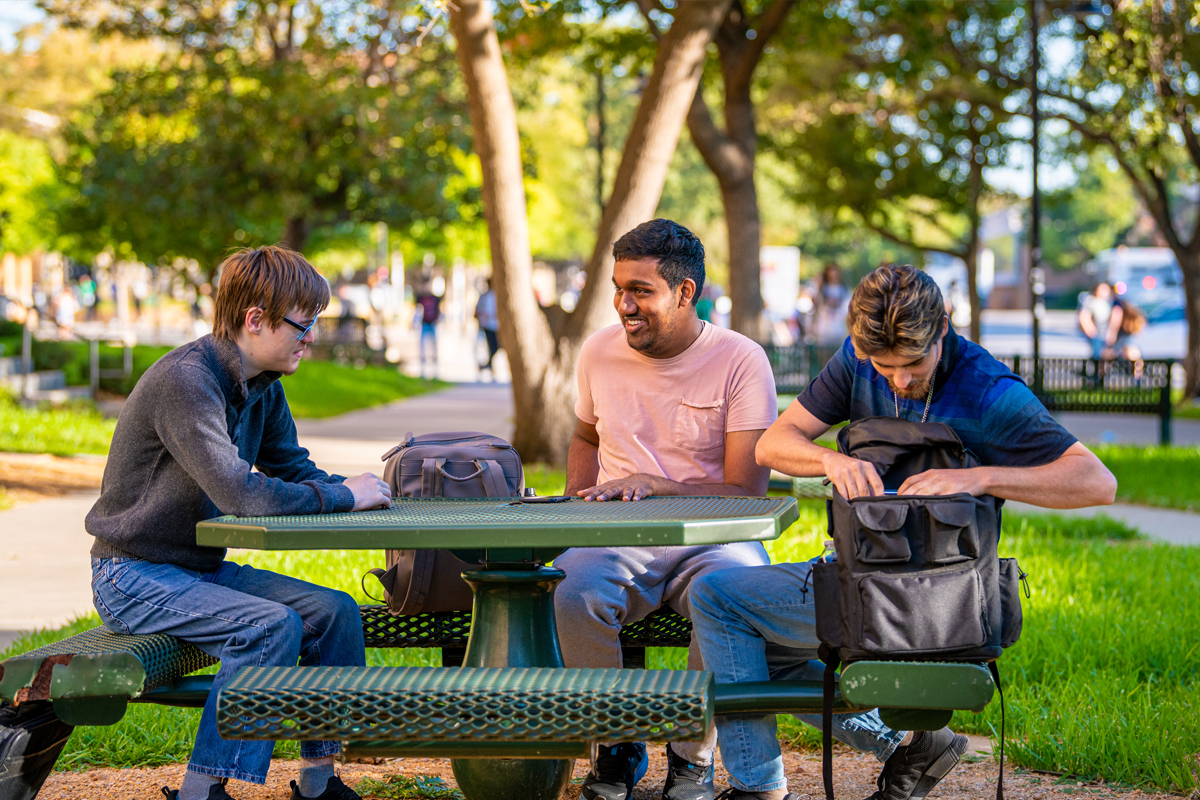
[[65, 308], [833, 301], [431, 311], [1100, 318], [488, 316]]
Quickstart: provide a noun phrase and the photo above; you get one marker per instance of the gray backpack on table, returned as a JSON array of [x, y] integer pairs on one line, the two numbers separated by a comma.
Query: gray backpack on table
[[460, 464]]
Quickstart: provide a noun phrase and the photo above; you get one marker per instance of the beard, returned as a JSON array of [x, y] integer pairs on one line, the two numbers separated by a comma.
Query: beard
[[917, 390], [654, 336]]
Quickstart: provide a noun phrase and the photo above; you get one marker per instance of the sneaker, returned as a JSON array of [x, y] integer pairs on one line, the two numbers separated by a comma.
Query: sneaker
[[616, 771], [334, 790], [685, 780], [913, 771], [737, 794], [215, 792]]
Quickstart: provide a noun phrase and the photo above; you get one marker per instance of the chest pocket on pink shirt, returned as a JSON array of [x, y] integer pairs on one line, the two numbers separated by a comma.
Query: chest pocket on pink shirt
[[700, 424]]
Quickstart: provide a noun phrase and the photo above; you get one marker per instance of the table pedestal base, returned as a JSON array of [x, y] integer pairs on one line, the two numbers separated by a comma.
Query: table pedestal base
[[512, 625]]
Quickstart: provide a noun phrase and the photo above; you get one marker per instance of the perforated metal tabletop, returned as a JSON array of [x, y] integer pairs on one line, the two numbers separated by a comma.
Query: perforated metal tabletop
[[490, 523]]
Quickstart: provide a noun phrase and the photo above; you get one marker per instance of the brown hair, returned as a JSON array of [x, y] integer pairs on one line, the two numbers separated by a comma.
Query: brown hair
[[896, 309], [272, 278]]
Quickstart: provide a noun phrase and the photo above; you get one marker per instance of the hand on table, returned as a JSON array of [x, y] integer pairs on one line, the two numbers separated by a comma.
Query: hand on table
[[853, 478], [945, 481], [369, 492], [633, 487]]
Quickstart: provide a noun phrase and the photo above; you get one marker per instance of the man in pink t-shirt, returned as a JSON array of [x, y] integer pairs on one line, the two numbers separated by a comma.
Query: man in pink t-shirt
[[668, 405]]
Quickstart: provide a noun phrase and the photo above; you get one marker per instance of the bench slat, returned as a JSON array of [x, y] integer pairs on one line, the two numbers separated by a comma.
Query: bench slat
[[468, 704]]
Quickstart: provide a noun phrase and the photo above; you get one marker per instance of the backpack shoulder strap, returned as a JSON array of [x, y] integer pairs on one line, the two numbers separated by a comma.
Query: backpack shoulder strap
[[493, 479]]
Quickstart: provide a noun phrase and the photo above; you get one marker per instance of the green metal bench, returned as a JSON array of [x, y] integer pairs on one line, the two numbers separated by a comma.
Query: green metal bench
[[513, 712], [467, 712], [92, 676]]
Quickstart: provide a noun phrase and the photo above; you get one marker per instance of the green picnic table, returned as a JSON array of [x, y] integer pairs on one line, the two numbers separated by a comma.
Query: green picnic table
[[513, 626]]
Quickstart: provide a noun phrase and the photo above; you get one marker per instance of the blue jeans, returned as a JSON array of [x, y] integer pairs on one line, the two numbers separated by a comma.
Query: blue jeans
[[755, 624], [243, 616]]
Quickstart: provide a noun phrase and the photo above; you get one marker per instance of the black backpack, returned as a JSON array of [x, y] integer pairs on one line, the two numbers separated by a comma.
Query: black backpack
[[916, 578]]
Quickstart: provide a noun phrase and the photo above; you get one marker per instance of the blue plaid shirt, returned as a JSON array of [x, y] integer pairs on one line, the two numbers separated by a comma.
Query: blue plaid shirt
[[990, 408]]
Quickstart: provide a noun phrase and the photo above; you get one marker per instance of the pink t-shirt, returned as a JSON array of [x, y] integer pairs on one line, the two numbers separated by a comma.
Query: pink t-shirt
[[669, 416]]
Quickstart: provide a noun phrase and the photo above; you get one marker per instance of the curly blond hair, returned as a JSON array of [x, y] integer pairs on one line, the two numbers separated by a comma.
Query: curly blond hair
[[896, 309]]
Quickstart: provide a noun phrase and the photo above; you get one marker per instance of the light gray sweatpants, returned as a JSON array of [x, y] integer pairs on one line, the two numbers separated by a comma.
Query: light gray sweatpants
[[607, 587]]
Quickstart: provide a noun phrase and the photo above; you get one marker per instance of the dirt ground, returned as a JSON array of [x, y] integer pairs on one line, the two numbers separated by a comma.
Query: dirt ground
[[854, 777], [28, 477]]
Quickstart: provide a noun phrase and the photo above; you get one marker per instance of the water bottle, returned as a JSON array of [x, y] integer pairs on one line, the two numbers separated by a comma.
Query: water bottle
[[829, 554]]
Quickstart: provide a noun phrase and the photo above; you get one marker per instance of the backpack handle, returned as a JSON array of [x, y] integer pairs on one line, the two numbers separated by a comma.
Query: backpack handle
[[433, 472]]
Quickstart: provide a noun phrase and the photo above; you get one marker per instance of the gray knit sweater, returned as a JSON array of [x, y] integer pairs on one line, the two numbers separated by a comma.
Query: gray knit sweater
[[182, 452]]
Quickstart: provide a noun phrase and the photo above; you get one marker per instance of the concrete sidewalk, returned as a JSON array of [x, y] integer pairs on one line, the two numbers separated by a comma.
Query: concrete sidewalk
[[1163, 524], [354, 443], [45, 566]]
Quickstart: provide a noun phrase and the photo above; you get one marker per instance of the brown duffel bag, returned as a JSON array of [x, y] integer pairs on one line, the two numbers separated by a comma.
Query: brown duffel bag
[[458, 464]]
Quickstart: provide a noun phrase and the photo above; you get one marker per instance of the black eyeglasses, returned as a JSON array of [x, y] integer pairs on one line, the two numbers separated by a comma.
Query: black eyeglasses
[[304, 329]]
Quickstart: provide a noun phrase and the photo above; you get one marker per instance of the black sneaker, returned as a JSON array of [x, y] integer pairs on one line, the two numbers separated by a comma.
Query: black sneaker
[[737, 794], [334, 790], [616, 771], [913, 771], [215, 792], [685, 780]]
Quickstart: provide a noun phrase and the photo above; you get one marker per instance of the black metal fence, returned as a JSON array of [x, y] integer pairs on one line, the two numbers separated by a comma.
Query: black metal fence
[[797, 364], [1101, 386], [343, 339], [1062, 384]]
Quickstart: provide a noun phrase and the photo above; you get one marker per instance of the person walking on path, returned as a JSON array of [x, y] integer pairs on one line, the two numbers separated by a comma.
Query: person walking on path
[[752, 624], [668, 405], [431, 311], [488, 317], [185, 449]]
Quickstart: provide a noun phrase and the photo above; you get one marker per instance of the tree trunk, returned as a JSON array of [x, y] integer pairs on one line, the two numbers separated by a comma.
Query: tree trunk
[[647, 154], [730, 155], [1189, 264], [542, 362], [524, 332], [972, 250], [740, 198], [295, 234]]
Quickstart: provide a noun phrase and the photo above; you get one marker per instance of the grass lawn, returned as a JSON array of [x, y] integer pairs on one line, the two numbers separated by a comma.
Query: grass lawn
[[1105, 680], [318, 389], [1154, 476], [77, 428], [324, 389]]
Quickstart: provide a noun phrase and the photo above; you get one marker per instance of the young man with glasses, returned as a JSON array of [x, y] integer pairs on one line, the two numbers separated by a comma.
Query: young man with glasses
[[185, 449]]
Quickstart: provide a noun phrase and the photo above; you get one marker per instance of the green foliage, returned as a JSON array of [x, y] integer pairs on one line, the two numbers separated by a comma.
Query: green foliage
[[899, 131], [402, 787], [29, 194], [1093, 214], [64, 431], [239, 145], [1154, 476], [323, 389]]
